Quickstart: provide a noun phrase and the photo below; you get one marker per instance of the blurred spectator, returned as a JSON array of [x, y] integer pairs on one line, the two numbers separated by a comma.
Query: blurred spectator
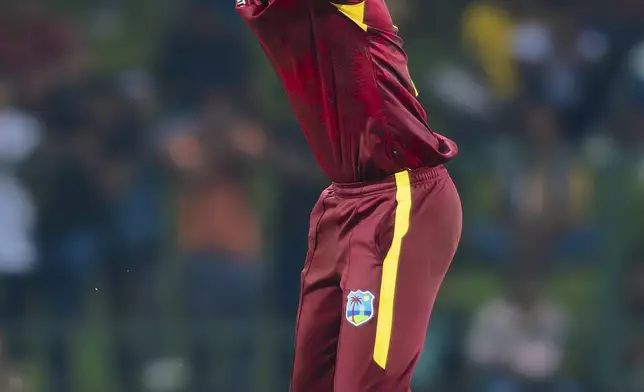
[[98, 205], [32, 37], [65, 105], [546, 189], [547, 186], [635, 320], [633, 83], [623, 20], [34, 43], [20, 135], [202, 55], [560, 63], [547, 53], [517, 342], [71, 211], [487, 28], [83, 176], [133, 230], [219, 235]]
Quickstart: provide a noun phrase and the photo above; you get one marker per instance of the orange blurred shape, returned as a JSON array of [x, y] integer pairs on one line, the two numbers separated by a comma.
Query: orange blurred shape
[[184, 151]]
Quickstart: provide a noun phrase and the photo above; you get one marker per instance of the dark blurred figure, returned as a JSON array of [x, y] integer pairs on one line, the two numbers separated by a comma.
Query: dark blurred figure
[[547, 51], [72, 204], [623, 20], [20, 135], [635, 325], [31, 36], [97, 207], [562, 62], [518, 341], [200, 55], [132, 234], [34, 43], [219, 235], [545, 188]]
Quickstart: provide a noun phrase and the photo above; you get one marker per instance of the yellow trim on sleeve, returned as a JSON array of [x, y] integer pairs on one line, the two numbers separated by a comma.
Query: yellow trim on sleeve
[[355, 12], [384, 324], [415, 89]]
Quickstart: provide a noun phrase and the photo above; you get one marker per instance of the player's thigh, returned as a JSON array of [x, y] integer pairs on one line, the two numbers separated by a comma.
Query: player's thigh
[[320, 310], [394, 294], [412, 273], [378, 348], [316, 341]]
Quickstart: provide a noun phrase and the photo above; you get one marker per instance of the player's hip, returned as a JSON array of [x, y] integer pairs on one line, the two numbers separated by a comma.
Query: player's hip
[[417, 204], [416, 178], [413, 208]]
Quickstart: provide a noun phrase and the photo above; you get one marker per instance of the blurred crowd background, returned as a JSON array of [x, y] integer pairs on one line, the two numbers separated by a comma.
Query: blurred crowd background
[[155, 192]]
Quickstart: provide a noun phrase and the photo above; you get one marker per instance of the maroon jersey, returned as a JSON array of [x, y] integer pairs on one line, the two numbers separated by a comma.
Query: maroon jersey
[[345, 74]]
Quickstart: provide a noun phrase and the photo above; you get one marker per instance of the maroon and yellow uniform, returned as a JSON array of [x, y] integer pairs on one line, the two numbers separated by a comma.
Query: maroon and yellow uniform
[[383, 235], [345, 73]]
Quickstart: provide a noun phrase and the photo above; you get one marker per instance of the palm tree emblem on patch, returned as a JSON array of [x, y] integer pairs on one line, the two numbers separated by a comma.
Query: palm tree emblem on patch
[[359, 307]]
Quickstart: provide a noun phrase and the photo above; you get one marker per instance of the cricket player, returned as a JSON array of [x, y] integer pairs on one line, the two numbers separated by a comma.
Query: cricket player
[[383, 235]]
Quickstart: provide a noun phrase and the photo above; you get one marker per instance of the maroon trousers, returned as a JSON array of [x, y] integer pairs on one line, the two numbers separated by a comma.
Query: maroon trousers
[[378, 253]]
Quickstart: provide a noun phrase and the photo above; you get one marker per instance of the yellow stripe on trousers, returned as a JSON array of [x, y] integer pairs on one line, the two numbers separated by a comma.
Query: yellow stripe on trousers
[[384, 325]]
